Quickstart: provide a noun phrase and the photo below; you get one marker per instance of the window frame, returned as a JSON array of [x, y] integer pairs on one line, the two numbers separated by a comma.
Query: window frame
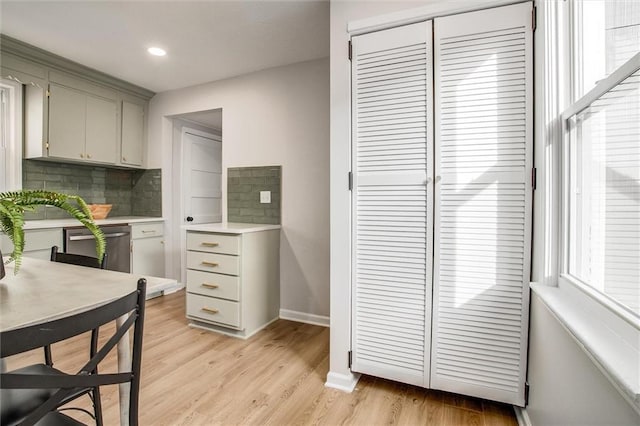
[[13, 155], [608, 337], [568, 125]]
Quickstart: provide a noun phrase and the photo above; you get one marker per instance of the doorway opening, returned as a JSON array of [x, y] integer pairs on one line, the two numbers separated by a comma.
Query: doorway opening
[[197, 179]]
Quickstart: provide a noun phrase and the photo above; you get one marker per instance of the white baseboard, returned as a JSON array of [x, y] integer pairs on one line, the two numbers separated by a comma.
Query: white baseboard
[[343, 382], [227, 331], [173, 289], [304, 317], [522, 416]]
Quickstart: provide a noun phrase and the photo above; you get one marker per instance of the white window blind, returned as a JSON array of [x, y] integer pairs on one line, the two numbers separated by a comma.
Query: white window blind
[[392, 232], [483, 92]]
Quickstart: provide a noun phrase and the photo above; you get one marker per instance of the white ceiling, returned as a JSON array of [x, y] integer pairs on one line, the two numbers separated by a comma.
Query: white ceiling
[[205, 40]]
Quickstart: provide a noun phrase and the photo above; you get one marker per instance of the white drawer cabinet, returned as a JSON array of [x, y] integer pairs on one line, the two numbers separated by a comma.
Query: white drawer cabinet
[[233, 280]]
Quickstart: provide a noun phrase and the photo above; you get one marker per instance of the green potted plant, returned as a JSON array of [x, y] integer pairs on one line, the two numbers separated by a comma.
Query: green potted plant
[[14, 204]]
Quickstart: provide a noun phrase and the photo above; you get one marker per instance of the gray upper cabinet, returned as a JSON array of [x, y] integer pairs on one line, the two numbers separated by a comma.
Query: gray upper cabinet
[[82, 127], [133, 124], [102, 130], [67, 117], [74, 113]]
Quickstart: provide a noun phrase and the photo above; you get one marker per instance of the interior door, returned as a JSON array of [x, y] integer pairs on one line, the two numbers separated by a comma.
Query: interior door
[[483, 92], [202, 172], [391, 203]]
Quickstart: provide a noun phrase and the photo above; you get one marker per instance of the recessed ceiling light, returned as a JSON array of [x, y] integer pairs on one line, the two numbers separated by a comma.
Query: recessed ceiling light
[[156, 51]]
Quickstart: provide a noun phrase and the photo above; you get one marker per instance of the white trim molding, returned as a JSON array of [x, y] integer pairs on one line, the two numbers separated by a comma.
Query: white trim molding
[[321, 320], [410, 16], [522, 416], [12, 167], [343, 382], [615, 353]]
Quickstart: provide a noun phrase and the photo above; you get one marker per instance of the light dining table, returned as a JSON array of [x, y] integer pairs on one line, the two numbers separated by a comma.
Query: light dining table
[[44, 291]]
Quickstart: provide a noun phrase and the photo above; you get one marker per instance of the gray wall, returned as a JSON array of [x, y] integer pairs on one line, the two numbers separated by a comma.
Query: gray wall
[[132, 192], [566, 388], [275, 116]]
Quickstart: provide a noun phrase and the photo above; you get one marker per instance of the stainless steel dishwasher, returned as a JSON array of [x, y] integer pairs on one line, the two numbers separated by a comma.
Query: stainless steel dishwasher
[[79, 240]]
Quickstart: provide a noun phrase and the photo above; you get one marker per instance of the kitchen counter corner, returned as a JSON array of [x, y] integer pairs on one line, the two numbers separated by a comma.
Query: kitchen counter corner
[[234, 228]]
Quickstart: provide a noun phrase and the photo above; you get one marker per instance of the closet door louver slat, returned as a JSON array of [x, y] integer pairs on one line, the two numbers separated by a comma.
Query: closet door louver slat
[[483, 124], [392, 213]]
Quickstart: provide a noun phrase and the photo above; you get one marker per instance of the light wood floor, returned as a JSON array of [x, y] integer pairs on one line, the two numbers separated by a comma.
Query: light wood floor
[[195, 377]]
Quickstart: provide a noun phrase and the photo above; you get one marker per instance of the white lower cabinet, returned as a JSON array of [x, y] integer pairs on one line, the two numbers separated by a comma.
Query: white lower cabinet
[[147, 249], [233, 281], [37, 243]]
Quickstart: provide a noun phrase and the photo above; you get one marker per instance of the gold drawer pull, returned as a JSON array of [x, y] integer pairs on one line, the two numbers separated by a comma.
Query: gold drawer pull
[[213, 264], [207, 285], [209, 310], [209, 244]]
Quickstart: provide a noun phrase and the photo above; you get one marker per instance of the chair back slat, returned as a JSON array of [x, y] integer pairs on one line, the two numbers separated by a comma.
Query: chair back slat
[[21, 340], [36, 336], [78, 259]]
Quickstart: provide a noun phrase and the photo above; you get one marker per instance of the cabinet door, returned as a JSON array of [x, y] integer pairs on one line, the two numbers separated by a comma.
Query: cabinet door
[[132, 133], [148, 257], [484, 99], [37, 243], [392, 234], [101, 134], [67, 117]]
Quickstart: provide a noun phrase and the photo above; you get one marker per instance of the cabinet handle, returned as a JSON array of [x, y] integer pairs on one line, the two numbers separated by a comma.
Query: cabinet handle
[[124, 158], [88, 155], [81, 155], [205, 263], [209, 310], [207, 285], [152, 231], [209, 244]]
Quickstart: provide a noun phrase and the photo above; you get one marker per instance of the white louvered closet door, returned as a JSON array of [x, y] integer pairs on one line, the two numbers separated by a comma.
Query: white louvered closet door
[[392, 202], [483, 92]]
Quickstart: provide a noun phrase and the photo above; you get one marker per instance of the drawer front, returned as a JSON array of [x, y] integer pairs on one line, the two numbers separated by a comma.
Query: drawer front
[[147, 230], [42, 239], [215, 310], [211, 262], [214, 285], [213, 243]]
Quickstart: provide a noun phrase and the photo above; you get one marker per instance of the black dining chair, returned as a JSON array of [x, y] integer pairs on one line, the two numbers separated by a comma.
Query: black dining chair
[[91, 262], [77, 259], [63, 385]]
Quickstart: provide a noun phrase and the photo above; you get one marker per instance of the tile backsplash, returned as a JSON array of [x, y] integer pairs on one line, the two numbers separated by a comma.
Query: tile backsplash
[[243, 194], [132, 192]]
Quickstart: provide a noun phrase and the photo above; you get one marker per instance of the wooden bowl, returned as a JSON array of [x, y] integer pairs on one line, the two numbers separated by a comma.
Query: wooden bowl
[[100, 211]]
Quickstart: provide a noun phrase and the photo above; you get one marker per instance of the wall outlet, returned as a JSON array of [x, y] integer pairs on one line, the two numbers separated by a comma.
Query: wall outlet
[[265, 197]]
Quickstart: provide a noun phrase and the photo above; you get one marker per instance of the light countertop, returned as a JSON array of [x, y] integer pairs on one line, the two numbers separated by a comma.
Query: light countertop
[[231, 227], [61, 223], [44, 291]]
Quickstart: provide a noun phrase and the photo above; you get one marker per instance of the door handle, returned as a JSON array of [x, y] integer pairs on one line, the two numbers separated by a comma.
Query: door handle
[[91, 237]]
